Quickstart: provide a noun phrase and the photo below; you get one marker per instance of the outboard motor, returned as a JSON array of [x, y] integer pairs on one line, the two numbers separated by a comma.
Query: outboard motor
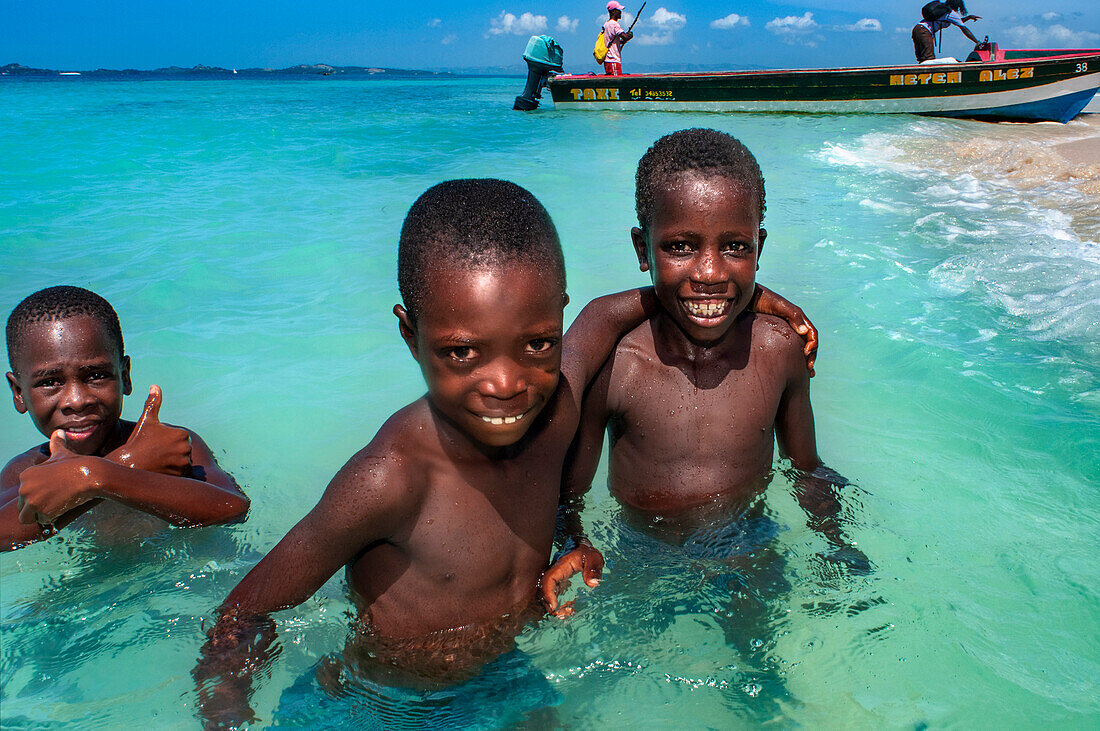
[[543, 57]]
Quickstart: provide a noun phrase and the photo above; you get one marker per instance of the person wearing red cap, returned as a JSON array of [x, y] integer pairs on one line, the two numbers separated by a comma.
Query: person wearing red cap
[[615, 37]]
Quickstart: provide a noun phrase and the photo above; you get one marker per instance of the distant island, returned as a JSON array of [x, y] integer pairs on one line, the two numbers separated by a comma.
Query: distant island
[[210, 72]]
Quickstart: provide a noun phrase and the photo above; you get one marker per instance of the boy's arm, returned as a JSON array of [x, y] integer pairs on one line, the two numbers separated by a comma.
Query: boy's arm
[[355, 510], [160, 470], [816, 485], [767, 302], [593, 335], [577, 553], [14, 534]]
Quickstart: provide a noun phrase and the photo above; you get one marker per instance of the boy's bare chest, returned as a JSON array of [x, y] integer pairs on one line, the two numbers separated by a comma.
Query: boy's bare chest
[[681, 436], [692, 407], [475, 548], [491, 507]]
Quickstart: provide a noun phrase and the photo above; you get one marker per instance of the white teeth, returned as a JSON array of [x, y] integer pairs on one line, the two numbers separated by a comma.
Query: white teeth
[[706, 309], [502, 419]]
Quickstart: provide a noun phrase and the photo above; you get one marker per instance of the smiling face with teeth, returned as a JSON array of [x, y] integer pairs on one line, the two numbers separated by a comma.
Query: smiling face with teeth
[[69, 376], [701, 248], [488, 341]]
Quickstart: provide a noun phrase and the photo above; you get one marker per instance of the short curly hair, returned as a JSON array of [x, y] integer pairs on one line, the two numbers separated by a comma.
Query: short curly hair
[[474, 223], [60, 303], [706, 151]]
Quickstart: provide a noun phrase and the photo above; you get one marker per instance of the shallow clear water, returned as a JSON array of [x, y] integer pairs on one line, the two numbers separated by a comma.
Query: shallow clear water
[[246, 234]]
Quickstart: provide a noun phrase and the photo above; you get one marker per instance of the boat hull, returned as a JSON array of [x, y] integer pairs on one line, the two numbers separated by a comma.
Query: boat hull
[[1052, 88]]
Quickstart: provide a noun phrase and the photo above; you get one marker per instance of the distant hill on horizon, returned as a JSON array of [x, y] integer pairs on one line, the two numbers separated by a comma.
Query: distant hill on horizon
[[201, 71], [321, 69]]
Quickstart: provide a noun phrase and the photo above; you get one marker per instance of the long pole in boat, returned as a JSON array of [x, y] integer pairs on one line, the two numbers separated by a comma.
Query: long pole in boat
[[636, 17]]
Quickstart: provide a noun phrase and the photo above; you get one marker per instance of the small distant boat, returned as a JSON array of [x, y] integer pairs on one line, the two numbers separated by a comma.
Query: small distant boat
[[68, 73], [1023, 84]]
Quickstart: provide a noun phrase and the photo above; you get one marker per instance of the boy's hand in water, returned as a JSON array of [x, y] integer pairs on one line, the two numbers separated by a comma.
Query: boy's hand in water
[[49, 490], [153, 446], [767, 302], [235, 649], [584, 559], [854, 561]]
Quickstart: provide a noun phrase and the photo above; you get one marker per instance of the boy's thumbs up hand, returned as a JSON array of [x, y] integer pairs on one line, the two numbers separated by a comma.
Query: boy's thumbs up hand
[[151, 410], [49, 490], [153, 446]]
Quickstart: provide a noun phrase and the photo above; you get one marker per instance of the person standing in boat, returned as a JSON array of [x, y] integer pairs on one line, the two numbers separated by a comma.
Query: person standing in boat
[[937, 16], [615, 38]]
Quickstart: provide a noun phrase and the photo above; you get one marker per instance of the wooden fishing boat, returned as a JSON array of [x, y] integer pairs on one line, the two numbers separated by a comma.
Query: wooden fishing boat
[[1027, 84]]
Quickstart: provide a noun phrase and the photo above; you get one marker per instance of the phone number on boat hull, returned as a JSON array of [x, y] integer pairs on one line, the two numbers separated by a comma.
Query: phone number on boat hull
[[604, 94]]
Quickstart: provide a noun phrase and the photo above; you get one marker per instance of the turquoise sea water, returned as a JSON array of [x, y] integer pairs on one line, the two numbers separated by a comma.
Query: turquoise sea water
[[246, 234]]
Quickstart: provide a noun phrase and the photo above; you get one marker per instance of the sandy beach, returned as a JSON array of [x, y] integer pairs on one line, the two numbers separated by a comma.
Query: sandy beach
[[1084, 151]]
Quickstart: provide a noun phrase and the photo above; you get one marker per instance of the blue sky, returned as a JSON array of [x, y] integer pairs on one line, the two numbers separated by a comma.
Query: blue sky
[[86, 34]]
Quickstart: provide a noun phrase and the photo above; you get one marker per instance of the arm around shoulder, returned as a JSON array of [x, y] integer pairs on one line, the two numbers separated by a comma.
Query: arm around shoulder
[[599, 326]]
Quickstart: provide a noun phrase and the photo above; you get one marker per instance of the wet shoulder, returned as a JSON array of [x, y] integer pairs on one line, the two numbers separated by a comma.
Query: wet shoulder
[[392, 466], [637, 345], [15, 466], [775, 340]]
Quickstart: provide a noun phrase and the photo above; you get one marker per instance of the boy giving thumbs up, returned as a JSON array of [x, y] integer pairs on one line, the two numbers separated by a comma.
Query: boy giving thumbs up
[[69, 372]]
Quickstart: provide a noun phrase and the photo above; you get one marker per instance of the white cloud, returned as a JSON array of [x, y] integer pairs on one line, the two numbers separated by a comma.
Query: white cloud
[[567, 24], [449, 40], [792, 24], [434, 23], [732, 20], [524, 25], [1055, 36], [624, 21], [1048, 17], [666, 23], [796, 29], [654, 39], [864, 25]]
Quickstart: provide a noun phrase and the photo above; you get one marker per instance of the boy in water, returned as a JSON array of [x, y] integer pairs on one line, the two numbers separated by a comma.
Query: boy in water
[[446, 520], [694, 398], [69, 371]]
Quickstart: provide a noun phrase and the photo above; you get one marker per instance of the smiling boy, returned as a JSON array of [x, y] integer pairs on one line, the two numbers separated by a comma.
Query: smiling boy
[[69, 372], [695, 399]]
